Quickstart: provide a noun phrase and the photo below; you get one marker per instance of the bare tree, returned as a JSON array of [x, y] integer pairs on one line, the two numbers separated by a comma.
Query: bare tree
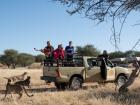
[[102, 10]]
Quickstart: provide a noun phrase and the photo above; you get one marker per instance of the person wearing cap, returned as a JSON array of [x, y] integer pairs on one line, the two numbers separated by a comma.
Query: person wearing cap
[[135, 73], [104, 55], [48, 53], [69, 51]]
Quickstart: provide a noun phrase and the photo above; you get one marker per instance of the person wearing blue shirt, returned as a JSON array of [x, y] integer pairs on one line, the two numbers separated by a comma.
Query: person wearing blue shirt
[[69, 51]]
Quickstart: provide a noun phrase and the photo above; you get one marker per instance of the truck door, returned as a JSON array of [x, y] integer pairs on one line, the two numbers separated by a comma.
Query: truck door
[[107, 70], [99, 70], [93, 72], [110, 71]]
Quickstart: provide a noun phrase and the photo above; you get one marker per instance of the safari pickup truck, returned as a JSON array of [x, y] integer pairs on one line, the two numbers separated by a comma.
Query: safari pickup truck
[[84, 69]]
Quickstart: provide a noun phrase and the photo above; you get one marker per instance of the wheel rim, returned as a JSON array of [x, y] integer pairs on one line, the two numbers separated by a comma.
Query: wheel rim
[[75, 84], [121, 80]]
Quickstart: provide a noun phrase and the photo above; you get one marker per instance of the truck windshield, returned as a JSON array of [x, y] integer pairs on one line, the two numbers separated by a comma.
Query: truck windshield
[[109, 63]]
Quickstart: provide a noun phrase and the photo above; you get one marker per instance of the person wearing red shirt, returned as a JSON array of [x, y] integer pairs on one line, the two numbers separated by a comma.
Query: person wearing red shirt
[[59, 53]]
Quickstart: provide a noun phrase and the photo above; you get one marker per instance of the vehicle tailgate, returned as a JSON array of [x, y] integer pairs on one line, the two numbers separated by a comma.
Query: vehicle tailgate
[[50, 71]]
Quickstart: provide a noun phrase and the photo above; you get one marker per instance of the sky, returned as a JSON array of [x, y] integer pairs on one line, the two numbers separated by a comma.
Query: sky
[[28, 24]]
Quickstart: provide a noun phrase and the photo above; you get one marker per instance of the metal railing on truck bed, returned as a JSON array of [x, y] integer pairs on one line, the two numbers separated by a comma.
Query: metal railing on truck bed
[[74, 62]]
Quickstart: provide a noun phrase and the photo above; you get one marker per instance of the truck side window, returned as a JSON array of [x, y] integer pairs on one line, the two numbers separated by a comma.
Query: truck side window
[[94, 63], [99, 63], [89, 61]]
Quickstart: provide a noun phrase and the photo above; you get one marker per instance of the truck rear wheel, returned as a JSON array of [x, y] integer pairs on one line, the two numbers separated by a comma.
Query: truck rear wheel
[[60, 86], [75, 83]]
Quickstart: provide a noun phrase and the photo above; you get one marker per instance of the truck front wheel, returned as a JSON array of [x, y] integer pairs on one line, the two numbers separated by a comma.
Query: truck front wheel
[[75, 83], [121, 80]]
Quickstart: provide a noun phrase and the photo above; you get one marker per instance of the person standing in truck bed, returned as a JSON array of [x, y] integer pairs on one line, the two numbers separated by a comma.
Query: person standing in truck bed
[[48, 51], [69, 51], [59, 54]]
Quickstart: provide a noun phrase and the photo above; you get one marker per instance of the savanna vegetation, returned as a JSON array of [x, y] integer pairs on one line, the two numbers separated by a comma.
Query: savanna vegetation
[[12, 58]]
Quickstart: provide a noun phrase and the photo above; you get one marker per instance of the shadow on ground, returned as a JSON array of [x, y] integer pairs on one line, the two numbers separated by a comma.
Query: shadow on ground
[[45, 89], [36, 90]]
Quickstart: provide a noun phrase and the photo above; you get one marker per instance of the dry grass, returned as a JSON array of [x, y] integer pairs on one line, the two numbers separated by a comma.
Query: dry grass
[[35, 66], [102, 95], [34, 73]]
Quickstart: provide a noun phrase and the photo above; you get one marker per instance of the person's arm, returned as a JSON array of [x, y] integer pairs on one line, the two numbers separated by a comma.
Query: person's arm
[[52, 49], [66, 50], [43, 50], [72, 50], [62, 54], [38, 49]]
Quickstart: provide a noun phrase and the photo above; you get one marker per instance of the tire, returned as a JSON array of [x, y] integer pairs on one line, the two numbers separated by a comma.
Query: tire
[[60, 86], [75, 83], [121, 79]]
